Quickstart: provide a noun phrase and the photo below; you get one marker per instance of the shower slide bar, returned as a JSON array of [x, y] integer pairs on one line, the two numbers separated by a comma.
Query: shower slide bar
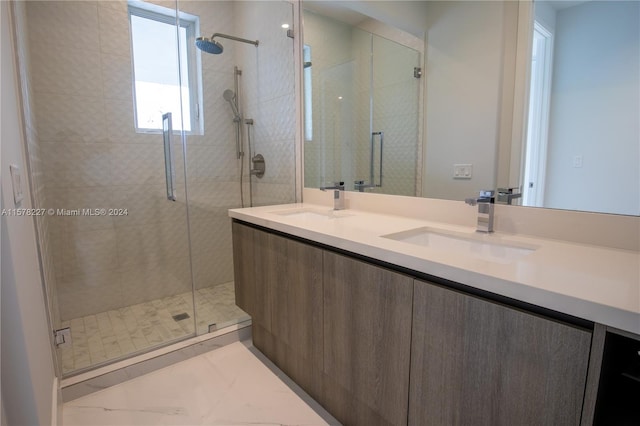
[[167, 130]]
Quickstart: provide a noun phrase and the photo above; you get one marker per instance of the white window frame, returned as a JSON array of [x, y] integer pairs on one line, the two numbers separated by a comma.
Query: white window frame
[[191, 25]]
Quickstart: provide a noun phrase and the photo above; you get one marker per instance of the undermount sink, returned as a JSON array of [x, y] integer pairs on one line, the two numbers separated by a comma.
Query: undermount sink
[[310, 214], [486, 247]]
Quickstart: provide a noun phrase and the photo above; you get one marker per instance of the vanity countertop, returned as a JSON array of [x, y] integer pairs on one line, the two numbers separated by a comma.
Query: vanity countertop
[[599, 284]]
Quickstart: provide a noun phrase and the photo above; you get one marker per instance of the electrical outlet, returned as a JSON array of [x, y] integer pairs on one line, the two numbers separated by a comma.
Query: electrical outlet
[[577, 161], [462, 171]]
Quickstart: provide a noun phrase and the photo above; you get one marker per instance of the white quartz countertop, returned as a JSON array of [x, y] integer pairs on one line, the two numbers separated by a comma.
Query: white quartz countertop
[[595, 283]]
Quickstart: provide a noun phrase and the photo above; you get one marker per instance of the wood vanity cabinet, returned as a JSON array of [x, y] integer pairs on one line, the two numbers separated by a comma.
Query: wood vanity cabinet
[[251, 260], [278, 281], [379, 347], [478, 362], [339, 327], [295, 281], [367, 341]]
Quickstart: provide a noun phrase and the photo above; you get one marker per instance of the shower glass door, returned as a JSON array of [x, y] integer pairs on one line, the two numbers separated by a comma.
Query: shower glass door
[[115, 250], [395, 91], [386, 131], [261, 80], [361, 105], [132, 146]]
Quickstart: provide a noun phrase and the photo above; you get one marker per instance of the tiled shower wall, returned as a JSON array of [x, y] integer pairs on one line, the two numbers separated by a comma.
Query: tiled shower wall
[[92, 158], [36, 159], [268, 96], [213, 172]]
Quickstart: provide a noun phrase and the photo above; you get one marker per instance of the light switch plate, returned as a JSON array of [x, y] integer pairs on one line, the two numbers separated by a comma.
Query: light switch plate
[[462, 171], [16, 181]]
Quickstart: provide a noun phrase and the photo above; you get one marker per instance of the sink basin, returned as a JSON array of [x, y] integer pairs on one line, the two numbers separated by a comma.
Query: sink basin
[[480, 246], [309, 214]]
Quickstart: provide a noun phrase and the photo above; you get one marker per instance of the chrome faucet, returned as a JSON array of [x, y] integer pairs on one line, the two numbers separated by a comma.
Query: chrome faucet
[[486, 202], [507, 195], [338, 194], [360, 185]]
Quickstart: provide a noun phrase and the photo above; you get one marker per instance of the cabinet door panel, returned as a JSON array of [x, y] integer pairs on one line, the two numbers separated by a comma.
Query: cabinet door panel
[[478, 362], [297, 317], [243, 267], [296, 285], [252, 258], [367, 332]]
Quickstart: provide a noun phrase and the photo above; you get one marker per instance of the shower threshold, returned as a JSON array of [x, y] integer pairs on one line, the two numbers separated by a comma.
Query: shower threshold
[[117, 372], [115, 334]]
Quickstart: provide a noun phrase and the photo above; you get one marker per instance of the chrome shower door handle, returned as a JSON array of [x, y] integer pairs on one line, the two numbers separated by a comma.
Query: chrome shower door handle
[[381, 134], [167, 130], [373, 135]]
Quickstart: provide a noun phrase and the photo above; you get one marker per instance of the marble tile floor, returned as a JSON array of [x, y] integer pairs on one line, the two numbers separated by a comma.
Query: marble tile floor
[[113, 334], [233, 385]]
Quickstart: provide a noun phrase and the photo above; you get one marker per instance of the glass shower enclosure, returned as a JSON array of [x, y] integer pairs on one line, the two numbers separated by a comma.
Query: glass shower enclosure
[[362, 104], [132, 147]]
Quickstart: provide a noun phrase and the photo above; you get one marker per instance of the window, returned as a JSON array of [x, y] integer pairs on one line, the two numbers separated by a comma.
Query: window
[[162, 83]]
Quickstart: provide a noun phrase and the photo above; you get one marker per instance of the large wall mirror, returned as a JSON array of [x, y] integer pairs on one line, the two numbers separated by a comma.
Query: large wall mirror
[[583, 134], [440, 99]]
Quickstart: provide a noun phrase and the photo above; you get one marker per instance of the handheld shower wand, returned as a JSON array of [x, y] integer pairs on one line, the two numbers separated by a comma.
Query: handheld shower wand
[[230, 96]]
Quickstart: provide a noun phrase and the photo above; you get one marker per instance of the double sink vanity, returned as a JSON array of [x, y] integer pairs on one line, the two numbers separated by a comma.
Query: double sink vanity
[[402, 320]]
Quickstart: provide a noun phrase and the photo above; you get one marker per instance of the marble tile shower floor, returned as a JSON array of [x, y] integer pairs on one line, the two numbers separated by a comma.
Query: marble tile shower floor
[[116, 333]]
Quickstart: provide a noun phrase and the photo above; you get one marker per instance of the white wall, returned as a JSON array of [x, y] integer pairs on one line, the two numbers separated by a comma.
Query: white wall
[[464, 64], [595, 109], [545, 14], [408, 16], [27, 373]]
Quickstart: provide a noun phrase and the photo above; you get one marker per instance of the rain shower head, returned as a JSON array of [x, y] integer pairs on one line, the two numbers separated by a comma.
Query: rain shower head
[[230, 96], [209, 45]]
